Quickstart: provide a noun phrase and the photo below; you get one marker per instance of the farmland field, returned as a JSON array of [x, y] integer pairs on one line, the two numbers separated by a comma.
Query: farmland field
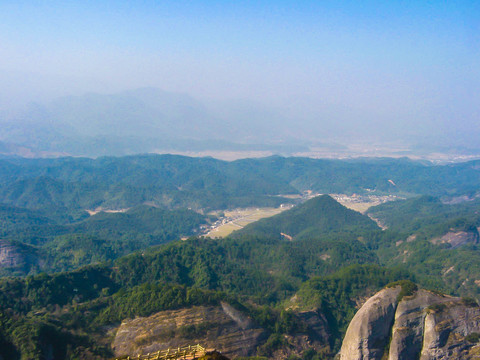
[[362, 203], [238, 218]]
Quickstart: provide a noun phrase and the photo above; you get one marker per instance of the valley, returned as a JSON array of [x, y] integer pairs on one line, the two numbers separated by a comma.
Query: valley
[[362, 203], [231, 220], [239, 180], [246, 257]]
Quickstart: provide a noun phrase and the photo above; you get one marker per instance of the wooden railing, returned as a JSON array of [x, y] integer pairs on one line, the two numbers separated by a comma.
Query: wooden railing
[[186, 352]]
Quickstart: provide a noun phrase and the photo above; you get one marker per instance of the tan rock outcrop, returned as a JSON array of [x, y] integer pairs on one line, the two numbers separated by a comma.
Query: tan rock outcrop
[[368, 332], [316, 338], [459, 238], [17, 258], [10, 255], [425, 326], [221, 327], [446, 331], [408, 328], [218, 327]]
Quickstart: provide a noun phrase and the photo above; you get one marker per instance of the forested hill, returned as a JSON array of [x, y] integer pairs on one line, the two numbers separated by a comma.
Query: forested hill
[[12, 218], [316, 217], [336, 259], [32, 243], [432, 237], [65, 187], [424, 211], [70, 311]]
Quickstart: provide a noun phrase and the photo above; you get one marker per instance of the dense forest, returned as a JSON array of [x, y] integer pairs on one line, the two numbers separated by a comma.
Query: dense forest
[[68, 277], [73, 307], [50, 246], [64, 188]]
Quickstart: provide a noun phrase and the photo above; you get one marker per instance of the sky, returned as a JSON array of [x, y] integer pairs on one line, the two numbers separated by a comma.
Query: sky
[[354, 64]]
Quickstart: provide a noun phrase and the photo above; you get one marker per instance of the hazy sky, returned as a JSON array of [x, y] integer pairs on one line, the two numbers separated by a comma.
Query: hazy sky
[[404, 62]]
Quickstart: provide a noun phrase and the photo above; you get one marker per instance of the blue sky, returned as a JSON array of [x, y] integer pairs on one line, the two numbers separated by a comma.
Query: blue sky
[[372, 61]]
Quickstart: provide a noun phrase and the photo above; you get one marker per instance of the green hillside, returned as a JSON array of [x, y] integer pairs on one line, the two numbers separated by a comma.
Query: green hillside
[[316, 217], [65, 187], [99, 238], [102, 269], [70, 310], [410, 240], [424, 212], [13, 218]]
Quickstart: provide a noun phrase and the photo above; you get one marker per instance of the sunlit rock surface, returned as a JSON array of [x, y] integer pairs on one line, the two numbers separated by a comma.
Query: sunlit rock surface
[[216, 327], [424, 326]]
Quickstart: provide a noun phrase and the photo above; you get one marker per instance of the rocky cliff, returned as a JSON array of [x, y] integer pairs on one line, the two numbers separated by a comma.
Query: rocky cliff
[[217, 327], [16, 257], [458, 238], [222, 327], [424, 326]]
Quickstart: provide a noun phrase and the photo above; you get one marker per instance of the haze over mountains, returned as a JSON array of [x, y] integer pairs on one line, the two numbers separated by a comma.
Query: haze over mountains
[[142, 120], [143, 145], [152, 120]]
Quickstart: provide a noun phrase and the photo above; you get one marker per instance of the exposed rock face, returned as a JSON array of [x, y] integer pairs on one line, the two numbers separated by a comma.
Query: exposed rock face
[[220, 327], [459, 238], [424, 326], [10, 256], [408, 328], [16, 258], [368, 332], [446, 329], [318, 325]]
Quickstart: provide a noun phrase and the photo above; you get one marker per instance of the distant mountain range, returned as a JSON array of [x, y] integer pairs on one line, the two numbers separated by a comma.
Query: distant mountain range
[[138, 121], [64, 188], [150, 120]]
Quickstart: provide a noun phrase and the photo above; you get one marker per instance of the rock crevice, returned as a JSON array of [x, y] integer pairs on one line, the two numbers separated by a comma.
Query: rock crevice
[[424, 326]]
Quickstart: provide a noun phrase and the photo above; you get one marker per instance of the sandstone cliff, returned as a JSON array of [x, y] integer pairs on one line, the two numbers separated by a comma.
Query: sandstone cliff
[[424, 326], [17, 258], [222, 327], [218, 327], [368, 332]]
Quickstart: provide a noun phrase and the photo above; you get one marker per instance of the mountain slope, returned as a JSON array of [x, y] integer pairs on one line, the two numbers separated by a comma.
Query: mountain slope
[[14, 218], [67, 186], [36, 243], [421, 325]]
